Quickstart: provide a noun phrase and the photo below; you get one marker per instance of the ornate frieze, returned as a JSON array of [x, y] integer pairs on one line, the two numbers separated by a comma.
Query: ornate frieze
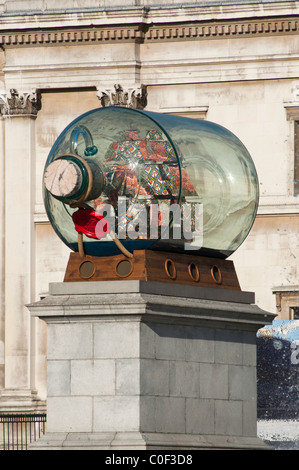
[[15, 104], [143, 32], [131, 97], [72, 36], [219, 29]]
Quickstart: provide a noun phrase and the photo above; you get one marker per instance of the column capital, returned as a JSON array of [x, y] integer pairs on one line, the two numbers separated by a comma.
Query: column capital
[[130, 97], [20, 104]]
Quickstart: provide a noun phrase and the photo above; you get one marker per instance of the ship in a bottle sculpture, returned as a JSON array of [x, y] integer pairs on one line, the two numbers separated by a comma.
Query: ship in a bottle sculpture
[[142, 195]]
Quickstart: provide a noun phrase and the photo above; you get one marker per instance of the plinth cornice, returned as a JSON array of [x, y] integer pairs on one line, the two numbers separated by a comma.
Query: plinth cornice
[[147, 301]]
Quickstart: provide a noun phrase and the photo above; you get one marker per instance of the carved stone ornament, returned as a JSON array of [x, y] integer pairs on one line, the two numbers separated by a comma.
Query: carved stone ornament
[[20, 104], [133, 97]]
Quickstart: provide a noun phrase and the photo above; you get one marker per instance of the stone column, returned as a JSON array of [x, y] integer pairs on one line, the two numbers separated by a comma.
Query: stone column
[[147, 365], [2, 255], [18, 111]]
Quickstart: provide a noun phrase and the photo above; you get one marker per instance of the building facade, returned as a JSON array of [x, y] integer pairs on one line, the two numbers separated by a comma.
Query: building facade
[[235, 63]]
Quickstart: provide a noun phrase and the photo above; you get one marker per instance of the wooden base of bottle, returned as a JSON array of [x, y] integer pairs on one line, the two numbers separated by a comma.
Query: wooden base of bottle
[[158, 266]]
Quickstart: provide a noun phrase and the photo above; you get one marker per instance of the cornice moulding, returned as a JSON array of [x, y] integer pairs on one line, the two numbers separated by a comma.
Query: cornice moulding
[[150, 33], [65, 19], [70, 36], [219, 30], [205, 20], [151, 14]]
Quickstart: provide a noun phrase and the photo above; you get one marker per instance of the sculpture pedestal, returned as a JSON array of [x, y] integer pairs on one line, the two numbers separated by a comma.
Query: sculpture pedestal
[[148, 365]]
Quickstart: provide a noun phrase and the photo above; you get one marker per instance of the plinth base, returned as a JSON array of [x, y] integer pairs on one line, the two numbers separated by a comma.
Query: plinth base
[[142, 365], [145, 441]]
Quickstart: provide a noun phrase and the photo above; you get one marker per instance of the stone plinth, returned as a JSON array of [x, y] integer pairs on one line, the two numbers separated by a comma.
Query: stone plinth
[[141, 365]]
